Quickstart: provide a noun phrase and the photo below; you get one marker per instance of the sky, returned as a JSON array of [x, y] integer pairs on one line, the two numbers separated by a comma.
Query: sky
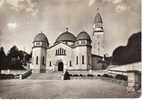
[[22, 20]]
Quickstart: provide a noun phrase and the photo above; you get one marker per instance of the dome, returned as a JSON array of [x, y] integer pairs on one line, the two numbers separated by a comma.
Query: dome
[[41, 38], [66, 36], [83, 36], [98, 18]]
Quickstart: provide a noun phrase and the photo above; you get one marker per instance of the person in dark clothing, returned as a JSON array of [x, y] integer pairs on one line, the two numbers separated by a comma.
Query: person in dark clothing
[[66, 75]]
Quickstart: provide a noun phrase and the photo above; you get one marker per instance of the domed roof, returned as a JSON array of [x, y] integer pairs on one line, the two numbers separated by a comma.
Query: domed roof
[[98, 18], [40, 38], [66, 36], [83, 36]]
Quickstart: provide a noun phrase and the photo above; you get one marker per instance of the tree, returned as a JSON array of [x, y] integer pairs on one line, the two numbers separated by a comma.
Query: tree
[[130, 53], [13, 52], [2, 58], [15, 59]]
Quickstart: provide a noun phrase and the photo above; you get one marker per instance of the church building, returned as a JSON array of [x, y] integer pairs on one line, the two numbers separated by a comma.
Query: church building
[[70, 52]]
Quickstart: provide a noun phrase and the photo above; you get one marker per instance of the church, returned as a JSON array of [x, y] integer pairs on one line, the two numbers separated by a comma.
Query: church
[[70, 52]]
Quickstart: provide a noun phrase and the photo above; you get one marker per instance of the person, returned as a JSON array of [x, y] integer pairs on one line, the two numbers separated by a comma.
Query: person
[[66, 75]]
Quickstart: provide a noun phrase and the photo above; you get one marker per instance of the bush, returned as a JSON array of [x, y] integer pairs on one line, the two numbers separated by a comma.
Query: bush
[[121, 77], [80, 75], [83, 75], [98, 75], [6, 76], [75, 75], [90, 75], [106, 75]]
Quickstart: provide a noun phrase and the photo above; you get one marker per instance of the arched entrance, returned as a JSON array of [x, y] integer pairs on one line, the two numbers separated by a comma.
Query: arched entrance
[[60, 66]]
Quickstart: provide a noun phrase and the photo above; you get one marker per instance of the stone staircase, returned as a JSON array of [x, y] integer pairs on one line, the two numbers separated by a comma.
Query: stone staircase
[[46, 76]]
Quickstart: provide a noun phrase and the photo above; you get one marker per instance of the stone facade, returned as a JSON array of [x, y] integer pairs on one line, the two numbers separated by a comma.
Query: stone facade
[[69, 52]]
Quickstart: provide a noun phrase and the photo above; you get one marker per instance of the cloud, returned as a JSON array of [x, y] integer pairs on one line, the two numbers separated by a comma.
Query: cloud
[[120, 8], [116, 1], [14, 3], [91, 2], [118, 4], [109, 1], [28, 6], [1, 2], [113, 1]]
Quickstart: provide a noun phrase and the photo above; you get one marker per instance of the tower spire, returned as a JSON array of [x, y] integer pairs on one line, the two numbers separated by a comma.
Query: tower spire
[[98, 23]]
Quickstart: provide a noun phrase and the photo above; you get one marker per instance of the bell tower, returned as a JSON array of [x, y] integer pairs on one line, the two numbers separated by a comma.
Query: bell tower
[[39, 53], [98, 36]]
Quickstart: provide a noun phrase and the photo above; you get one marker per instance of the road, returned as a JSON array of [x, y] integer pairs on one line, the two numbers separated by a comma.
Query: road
[[51, 89]]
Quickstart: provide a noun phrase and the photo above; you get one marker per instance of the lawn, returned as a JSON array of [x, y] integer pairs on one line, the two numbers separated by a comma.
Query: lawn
[[45, 89]]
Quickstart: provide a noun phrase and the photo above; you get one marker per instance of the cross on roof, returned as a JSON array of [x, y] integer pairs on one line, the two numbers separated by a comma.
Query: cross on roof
[[67, 29], [97, 9]]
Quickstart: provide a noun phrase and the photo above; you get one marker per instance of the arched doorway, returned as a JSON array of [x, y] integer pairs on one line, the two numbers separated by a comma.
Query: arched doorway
[[60, 66]]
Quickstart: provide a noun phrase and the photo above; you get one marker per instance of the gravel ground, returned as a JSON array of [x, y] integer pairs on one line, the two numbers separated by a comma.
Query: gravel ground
[[51, 89]]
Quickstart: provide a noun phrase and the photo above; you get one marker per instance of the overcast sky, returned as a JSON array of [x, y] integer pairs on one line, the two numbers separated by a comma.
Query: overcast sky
[[21, 20]]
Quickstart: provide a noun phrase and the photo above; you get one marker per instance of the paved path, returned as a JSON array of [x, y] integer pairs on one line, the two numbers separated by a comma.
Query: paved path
[[45, 89]]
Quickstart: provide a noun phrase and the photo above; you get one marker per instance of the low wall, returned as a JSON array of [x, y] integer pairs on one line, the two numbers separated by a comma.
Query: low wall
[[26, 74], [15, 74], [92, 76], [133, 71]]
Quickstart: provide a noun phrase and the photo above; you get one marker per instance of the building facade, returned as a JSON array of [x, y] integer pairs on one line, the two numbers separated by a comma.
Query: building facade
[[69, 52]]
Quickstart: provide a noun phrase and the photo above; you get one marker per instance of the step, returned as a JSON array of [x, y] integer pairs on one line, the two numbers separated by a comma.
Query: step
[[46, 76]]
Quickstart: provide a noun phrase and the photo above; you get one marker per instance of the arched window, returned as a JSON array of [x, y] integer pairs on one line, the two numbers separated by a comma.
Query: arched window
[[50, 64], [43, 60], [88, 60], [32, 60], [76, 59], [36, 59], [65, 52], [70, 63], [82, 59], [60, 51], [56, 52]]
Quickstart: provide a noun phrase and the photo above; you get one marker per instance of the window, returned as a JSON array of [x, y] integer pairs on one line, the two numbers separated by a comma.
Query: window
[[76, 59], [77, 42], [43, 61], [83, 42], [32, 60], [70, 63], [50, 64], [56, 52], [37, 60], [82, 59], [88, 60], [37, 44], [60, 51]]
